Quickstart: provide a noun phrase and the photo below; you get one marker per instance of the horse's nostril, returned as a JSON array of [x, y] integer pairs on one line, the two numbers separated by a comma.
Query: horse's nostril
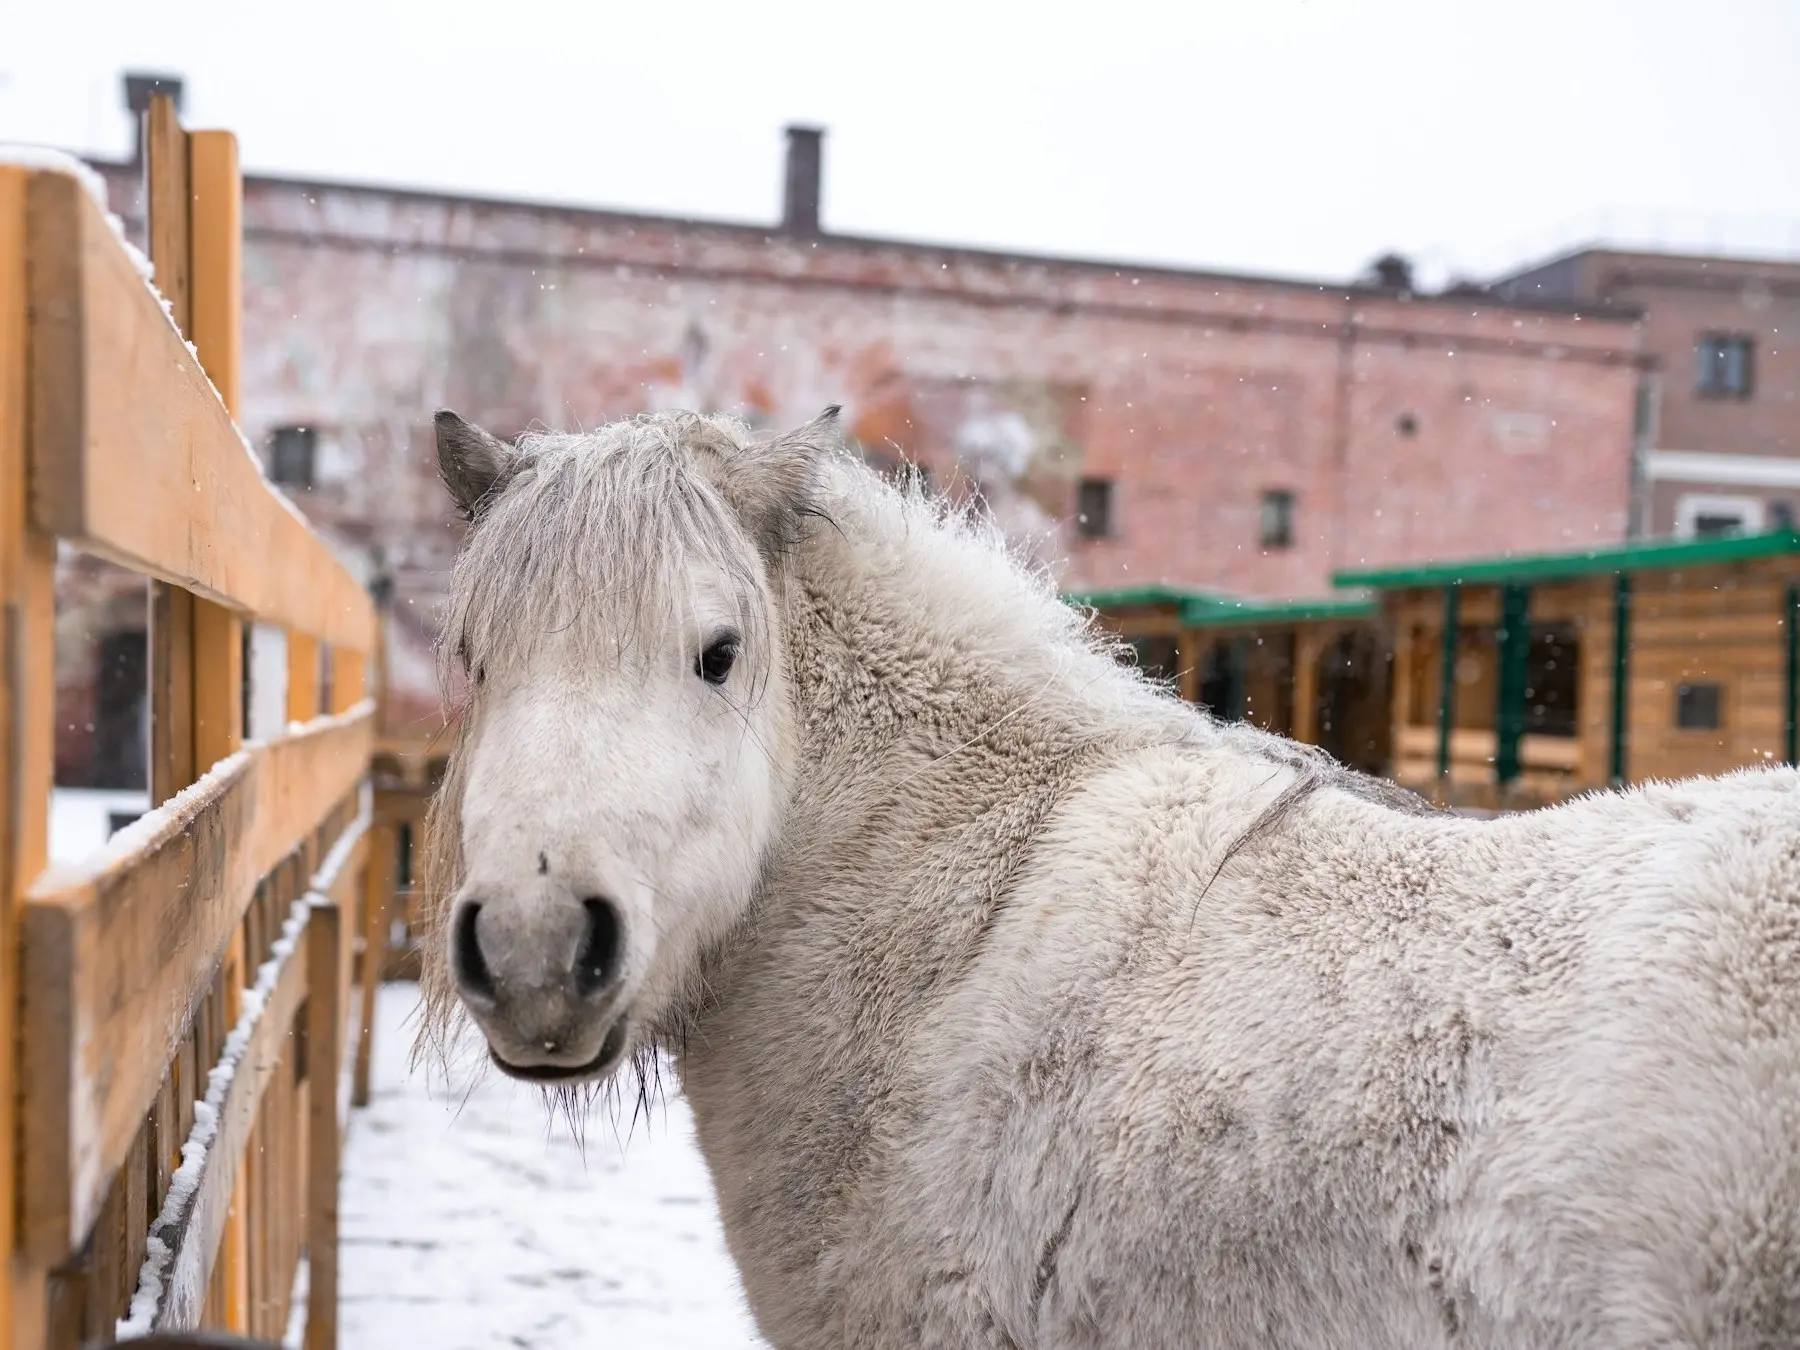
[[597, 962], [472, 971]]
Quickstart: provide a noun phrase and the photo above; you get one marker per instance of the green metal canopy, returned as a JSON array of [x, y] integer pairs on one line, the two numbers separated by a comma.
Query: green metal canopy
[[1223, 613], [1138, 597], [1638, 556]]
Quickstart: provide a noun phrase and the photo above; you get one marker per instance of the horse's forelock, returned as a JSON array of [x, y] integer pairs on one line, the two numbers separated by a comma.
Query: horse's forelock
[[597, 533]]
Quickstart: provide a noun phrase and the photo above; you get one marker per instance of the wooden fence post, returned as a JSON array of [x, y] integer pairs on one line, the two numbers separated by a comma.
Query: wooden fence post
[[27, 721], [171, 608], [381, 878], [325, 1039], [216, 286], [93, 388]]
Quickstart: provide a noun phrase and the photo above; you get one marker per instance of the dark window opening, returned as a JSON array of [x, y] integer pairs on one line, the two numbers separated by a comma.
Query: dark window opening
[[1552, 680], [121, 738], [1710, 525], [1781, 515], [1275, 524], [1222, 681], [1697, 706], [291, 455], [1093, 508], [1723, 362], [1157, 657]]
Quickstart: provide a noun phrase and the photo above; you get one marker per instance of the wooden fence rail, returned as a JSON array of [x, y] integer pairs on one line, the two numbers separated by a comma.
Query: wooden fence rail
[[175, 1013]]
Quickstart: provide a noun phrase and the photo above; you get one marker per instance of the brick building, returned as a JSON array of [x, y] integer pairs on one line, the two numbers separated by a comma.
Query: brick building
[[1722, 422], [1135, 424]]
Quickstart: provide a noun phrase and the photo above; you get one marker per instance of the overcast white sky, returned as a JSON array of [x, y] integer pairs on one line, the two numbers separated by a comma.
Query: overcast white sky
[[1287, 136]]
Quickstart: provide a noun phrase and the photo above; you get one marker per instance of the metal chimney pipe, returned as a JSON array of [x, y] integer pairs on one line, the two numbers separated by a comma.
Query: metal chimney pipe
[[139, 89], [805, 163]]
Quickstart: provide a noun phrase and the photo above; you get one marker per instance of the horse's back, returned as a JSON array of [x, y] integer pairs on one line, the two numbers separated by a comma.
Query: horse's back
[[1382, 1078]]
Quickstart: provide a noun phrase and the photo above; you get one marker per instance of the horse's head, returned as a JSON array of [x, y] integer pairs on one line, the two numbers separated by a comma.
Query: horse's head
[[619, 770]]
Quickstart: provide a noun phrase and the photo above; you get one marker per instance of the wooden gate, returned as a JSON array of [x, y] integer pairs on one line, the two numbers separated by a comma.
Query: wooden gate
[[172, 1045]]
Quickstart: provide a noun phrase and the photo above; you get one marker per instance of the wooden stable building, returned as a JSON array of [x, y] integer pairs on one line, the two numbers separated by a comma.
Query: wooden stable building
[[1522, 680], [1312, 669]]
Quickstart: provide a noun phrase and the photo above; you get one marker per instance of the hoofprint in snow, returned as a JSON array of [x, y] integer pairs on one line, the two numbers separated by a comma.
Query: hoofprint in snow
[[471, 1219]]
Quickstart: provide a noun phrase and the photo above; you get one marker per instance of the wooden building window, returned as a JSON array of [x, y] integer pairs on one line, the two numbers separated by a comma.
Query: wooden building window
[[1699, 707], [1094, 508], [1552, 680]]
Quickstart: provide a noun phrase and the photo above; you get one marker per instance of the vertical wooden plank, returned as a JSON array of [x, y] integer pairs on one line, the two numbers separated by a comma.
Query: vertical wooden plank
[[215, 257], [215, 254], [166, 180], [303, 678], [324, 1034], [218, 684], [346, 679], [377, 897], [171, 608], [171, 691], [27, 720]]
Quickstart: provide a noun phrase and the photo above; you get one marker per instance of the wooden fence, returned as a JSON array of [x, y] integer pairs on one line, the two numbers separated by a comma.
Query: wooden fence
[[172, 1046]]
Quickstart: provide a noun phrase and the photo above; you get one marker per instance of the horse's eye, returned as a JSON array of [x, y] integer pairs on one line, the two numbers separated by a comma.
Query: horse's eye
[[714, 664]]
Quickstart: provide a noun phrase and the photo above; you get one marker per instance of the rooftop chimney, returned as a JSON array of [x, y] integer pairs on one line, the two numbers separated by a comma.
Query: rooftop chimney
[[800, 206], [138, 91]]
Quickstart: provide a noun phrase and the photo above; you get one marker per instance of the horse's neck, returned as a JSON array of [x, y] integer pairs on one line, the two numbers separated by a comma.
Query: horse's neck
[[889, 678], [926, 764], [937, 723]]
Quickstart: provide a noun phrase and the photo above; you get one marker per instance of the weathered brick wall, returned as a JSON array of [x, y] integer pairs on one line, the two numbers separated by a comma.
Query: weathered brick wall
[[1405, 428], [1195, 393]]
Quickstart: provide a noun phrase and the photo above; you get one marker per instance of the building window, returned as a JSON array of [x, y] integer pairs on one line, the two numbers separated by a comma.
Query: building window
[[1704, 515], [1094, 508], [1552, 680], [1723, 363], [1697, 707], [291, 455], [1275, 523], [1781, 515]]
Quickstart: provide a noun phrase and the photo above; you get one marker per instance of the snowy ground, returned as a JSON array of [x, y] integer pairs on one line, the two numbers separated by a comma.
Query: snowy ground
[[468, 1221], [81, 819]]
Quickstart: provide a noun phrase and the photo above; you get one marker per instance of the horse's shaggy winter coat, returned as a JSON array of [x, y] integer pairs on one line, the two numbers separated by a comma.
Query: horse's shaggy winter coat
[[1054, 1014]]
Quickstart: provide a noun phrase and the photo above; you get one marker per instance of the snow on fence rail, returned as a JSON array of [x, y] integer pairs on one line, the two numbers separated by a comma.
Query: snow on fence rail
[[170, 1059]]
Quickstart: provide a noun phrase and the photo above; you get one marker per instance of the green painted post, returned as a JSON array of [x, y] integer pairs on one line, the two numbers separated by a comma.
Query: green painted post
[[1514, 641], [1621, 672], [1447, 677], [1793, 674]]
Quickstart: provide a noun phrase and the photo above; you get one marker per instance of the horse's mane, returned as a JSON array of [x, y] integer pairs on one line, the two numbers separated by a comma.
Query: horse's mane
[[620, 514]]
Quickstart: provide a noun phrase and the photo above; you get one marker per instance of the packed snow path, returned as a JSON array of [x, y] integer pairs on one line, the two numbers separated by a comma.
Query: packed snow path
[[469, 1221]]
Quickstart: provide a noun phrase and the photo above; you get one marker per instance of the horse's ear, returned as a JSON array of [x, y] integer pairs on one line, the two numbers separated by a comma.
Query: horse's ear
[[473, 464], [771, 484]]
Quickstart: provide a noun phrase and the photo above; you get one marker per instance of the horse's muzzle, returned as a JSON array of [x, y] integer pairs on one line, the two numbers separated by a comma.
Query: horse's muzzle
[[541, 974]]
